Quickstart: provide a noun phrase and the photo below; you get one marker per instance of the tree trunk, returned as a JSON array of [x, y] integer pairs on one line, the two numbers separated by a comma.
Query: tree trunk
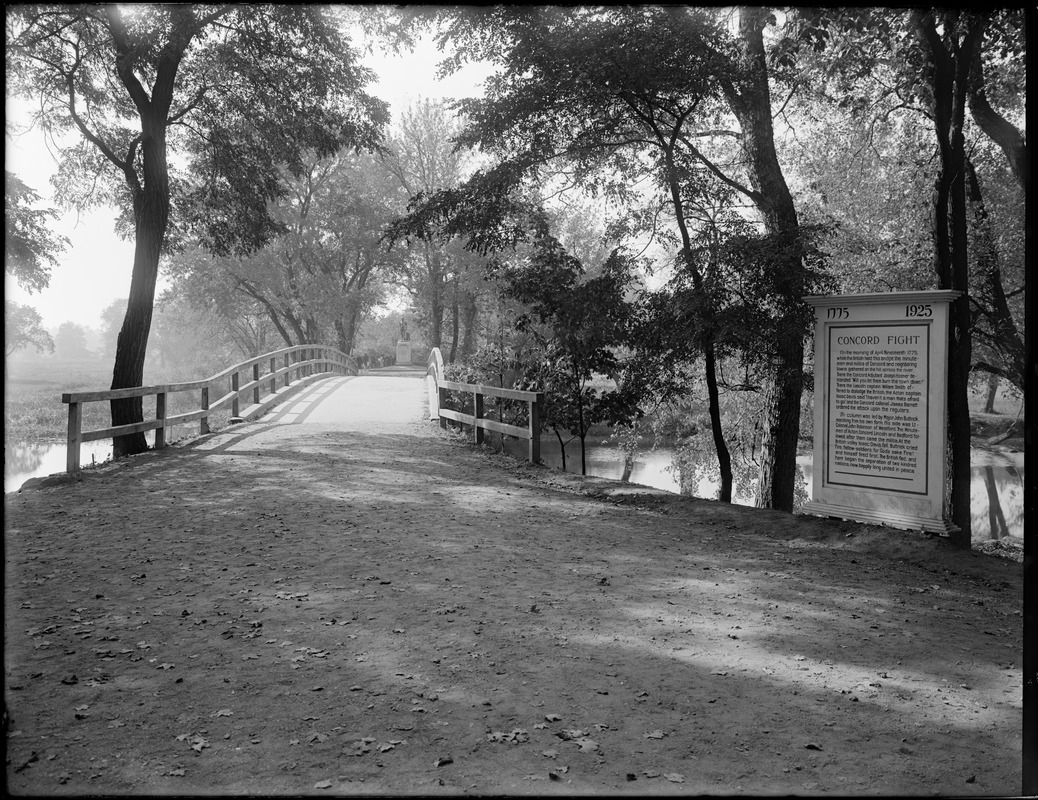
[[708, 326], [950, 61], [1000, 130], [1004, 338], [455, 324], [750, 100], [989, 402], [724, 457], [562, 447], [469, 311], [434, 274], [151, 217]]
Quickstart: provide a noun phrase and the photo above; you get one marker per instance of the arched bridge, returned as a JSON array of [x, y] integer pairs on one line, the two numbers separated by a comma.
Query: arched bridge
[[317, 385]]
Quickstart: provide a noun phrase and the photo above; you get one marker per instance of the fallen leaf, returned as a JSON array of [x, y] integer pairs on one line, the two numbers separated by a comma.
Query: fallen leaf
[[675, 777], [177, 772], [657, 734], [223, 712], [323, 785], [552, 717]]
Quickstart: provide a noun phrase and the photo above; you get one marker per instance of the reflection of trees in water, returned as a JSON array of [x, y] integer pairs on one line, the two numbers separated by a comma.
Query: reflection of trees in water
[[694, 465], [23, 458], [997, 527]]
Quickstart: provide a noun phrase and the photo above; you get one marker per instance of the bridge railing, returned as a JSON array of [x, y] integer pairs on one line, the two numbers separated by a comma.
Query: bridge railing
[[291, 367], [438, 387]]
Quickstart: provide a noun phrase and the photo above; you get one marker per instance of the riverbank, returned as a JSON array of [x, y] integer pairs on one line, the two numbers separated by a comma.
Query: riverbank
[[397, 611]]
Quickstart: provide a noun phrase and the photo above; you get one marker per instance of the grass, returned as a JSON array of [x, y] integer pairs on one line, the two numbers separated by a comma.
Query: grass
[[34, 413]]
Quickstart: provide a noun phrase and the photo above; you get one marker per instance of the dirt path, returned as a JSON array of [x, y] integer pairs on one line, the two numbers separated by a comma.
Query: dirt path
[[304, 609]]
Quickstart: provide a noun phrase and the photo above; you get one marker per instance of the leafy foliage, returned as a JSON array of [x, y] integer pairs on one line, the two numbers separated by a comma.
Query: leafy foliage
[[23, 327], [30, 248]]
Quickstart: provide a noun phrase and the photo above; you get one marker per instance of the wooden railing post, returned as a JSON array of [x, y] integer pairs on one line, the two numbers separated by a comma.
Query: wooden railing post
[[203, 423], [442, 404], [255, 383], [288, 368], [160, 415], [75, 423], [477, 412], [535, 429], [234, 389], [273, 380]]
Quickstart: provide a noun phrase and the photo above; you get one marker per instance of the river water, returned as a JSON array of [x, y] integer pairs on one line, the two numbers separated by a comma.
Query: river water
[[996, 498], [996, 493]]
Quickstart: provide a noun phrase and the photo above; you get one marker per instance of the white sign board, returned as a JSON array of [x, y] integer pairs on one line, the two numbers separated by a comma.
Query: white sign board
[[880, 408]]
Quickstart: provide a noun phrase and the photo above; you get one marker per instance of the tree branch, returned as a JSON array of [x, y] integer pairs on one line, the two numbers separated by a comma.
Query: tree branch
[[123, 67], [1000, 130]]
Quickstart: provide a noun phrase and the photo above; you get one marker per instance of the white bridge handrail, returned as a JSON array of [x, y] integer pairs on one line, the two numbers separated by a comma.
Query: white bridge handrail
[[438, 387], [300, 365]]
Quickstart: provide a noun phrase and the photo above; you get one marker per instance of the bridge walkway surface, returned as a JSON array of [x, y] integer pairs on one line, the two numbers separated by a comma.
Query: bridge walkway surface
[[340, 597]]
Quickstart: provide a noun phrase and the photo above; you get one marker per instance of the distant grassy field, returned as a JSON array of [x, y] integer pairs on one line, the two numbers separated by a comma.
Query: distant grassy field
[[34, 413]]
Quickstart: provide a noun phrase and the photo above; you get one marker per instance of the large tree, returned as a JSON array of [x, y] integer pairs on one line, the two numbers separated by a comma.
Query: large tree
[[633, 92], [319, 279], [234, 91], [422, 158]]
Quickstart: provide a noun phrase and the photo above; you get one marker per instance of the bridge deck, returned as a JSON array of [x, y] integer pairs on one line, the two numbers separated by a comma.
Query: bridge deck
[[382, 399]]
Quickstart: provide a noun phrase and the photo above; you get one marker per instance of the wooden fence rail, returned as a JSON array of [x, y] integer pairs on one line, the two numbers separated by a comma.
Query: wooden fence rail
[[438, 387], [299, 365]]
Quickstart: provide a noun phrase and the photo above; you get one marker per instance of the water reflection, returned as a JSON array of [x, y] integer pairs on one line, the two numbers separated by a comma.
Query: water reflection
[[23, 461], [996, 492]]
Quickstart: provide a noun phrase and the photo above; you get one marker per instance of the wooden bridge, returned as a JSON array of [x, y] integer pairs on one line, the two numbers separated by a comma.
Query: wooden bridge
[[319, 384]]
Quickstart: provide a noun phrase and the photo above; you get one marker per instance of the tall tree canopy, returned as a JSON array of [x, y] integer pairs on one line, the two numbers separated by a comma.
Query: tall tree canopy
[[234, 92], [680, 95]]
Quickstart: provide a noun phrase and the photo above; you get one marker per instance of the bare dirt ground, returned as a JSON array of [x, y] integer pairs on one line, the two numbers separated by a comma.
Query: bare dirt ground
[[301, 609]]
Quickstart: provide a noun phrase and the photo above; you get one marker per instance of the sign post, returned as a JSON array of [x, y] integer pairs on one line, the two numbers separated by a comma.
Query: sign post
[[880, 413]]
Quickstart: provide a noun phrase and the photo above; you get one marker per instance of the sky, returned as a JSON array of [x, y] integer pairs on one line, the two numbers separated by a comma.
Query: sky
[[96, 267]]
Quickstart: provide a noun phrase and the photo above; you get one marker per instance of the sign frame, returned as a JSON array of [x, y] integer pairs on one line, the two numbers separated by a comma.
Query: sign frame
[[880, 408]]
